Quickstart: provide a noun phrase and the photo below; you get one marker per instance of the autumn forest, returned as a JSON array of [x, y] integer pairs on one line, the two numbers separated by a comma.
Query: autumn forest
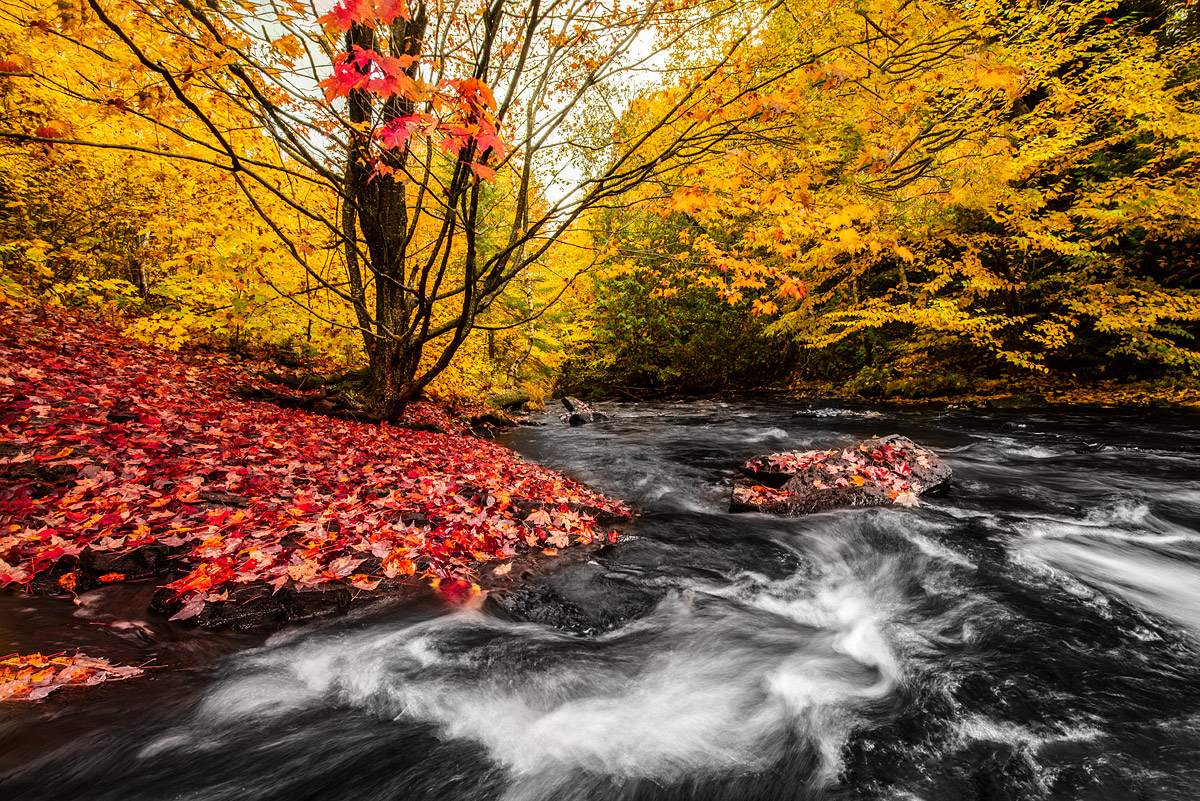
[[900, 199], [273, 275]]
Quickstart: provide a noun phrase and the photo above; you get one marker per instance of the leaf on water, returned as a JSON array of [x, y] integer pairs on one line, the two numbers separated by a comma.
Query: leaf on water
[[190, 609], [33, 676]]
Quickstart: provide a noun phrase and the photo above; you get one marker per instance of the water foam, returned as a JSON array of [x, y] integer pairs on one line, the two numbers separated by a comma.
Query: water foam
[[761, 435], [1011, 447], [977, 728], [707, 685], [1129, 520], [1161, 584]]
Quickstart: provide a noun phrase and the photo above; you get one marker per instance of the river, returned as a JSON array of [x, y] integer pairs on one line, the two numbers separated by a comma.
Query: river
[[1031, 633]]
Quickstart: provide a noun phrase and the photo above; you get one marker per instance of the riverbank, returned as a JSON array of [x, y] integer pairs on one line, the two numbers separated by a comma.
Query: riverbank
[[1109, 394], [124, 463], [1083, 394]]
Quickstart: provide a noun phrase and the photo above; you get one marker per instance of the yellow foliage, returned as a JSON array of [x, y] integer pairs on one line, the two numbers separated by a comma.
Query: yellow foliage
[[1006, 193]]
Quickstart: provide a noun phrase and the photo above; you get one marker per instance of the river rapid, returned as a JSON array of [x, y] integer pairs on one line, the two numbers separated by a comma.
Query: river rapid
[[1031, 633]]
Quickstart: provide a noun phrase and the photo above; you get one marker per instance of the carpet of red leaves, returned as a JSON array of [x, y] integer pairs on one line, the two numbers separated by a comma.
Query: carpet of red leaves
[[107, 446]]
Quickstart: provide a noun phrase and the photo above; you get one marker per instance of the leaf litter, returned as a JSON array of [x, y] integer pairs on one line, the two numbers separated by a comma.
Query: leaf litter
[[109, 446]]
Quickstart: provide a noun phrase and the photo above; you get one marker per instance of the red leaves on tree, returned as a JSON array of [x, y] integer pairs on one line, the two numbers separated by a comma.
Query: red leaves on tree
[[458, 113], [400, 130], [365, 70], [108, 446], [363, 12], [51, 130], [352, 71], [386, 11], [475, 92]]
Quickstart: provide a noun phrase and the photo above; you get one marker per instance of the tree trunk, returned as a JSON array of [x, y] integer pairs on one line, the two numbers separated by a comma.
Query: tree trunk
[[380, 206], [393, 367]]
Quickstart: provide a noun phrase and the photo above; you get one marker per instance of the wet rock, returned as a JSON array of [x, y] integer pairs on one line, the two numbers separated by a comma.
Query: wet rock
[[1023, 400], [257, 607], [145, 560], [877, 472], [579, 413], [583, 598], [509, 400], [830, 411], [491, 421]]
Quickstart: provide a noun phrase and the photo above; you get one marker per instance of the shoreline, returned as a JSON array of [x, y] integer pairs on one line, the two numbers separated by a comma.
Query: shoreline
[[1131, 397]]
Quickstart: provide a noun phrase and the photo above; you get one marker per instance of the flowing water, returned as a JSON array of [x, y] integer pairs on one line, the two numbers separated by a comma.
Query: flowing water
[[1032, 633]]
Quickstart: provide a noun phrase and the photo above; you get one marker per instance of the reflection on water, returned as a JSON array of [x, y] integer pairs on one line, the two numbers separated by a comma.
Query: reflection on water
[[1031, 634]]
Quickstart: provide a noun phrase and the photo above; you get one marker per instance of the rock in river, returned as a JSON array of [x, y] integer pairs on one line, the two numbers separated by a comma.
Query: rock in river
[[876, 472], [579, 413]]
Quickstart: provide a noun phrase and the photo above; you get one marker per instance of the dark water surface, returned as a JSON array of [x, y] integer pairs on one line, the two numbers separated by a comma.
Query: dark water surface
[[1033, 633]]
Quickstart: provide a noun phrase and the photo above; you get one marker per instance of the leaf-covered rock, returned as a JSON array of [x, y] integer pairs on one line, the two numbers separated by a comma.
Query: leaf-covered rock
[[878, 472]]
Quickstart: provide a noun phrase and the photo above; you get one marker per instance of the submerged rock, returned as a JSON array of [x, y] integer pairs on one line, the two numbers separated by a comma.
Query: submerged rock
[[582, 598], [1022, 400], [877, 472]]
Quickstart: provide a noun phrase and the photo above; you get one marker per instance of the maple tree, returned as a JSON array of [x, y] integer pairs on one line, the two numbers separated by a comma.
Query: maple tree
[[423, 155], [168, 246]]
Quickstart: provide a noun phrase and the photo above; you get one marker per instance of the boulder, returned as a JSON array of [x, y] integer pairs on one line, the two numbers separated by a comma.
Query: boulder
[[877, 472], [830, 411], [579, 413], [491, 421]]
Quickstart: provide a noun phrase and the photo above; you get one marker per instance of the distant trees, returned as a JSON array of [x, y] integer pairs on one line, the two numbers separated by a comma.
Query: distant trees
[[933, 186]]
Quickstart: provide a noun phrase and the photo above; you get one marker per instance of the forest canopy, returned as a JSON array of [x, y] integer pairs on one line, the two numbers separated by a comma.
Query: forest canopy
[[897, 198]]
